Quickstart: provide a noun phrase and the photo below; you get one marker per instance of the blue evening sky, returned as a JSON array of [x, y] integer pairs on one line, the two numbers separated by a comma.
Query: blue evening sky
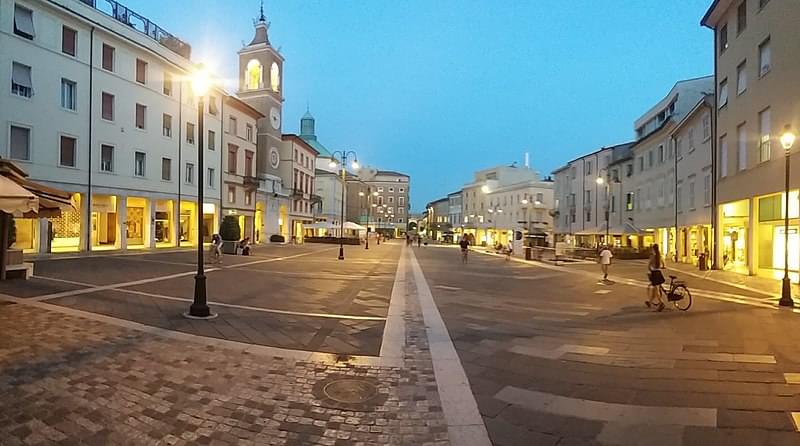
[[441, 88]]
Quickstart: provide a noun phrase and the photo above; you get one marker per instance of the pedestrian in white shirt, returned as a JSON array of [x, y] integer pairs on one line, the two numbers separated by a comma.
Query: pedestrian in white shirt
[[605, 261]]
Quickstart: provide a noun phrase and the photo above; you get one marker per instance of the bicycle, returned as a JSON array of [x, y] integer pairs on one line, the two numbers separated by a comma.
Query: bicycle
[[678, 293]]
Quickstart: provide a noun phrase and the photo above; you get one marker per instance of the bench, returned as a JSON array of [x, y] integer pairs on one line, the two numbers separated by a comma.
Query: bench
[[19, 271]]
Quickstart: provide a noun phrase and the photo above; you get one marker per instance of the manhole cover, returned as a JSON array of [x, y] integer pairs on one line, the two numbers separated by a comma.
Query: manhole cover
[[351, 391]]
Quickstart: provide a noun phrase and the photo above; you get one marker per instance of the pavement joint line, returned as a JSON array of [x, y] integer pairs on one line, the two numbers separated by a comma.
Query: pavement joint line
[[250, 308], [464, 422], [111, 286], [626, 414]]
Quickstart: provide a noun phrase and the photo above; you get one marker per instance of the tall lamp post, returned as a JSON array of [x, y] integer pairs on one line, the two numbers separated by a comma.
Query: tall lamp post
[[787, 141], [601, 181], [343, 154], [199, 309], [495, 210]]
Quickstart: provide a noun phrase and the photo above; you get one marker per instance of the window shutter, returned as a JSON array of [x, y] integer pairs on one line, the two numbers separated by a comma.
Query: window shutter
[[21, 75], [20, 143], [68, 40], [23, 21]]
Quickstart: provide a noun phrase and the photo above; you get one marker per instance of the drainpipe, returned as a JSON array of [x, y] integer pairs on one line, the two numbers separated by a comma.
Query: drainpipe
[[714, 211], [91, 120]]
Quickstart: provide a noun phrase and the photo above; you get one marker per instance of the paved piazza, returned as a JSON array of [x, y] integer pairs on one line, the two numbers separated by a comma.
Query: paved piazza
[[392, 346]]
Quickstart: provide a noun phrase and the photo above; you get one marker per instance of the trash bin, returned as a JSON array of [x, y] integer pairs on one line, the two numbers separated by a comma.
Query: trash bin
[[701, 262], [528, 255]]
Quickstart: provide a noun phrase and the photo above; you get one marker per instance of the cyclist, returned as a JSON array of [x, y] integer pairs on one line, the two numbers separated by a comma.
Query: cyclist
[[654, 267], [464, 244]]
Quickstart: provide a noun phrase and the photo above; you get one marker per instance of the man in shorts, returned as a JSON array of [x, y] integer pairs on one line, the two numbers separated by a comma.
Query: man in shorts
[[605, 260]]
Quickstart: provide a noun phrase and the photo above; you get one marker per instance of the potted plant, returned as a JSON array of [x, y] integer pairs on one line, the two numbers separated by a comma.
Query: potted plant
[[275, 238], [230, 233]]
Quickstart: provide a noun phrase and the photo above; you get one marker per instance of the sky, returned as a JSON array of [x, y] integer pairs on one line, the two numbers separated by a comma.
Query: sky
[[439, 89]]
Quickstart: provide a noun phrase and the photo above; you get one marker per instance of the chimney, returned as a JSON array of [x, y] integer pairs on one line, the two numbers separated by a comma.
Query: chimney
[[527, 160]]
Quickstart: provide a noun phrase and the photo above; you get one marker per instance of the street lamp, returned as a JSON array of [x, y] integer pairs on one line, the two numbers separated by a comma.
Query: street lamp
[[201, 82], [343, 154], [601, 181], [787, 141]]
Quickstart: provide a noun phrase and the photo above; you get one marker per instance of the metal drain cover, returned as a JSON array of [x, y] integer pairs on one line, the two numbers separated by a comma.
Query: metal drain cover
[[349, 392]]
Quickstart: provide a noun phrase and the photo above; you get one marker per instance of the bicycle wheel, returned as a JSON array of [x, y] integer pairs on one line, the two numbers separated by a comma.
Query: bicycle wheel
[[685, 300]]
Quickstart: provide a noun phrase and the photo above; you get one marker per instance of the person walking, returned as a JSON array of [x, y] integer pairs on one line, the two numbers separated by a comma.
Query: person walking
[[419, 241], [605, 260], [654, 267], [464, 244], [509, 250]]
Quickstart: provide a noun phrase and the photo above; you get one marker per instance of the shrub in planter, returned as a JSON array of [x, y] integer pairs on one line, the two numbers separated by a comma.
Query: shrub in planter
[[230, 233], [275, 238]]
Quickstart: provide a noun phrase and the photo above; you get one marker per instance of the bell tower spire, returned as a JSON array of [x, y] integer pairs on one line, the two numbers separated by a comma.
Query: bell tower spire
[[261, 17]]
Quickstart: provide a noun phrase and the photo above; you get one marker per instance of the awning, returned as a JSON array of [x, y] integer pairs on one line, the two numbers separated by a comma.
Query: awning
[[321, 225], [354, 226], [16, 200], [51, 201]]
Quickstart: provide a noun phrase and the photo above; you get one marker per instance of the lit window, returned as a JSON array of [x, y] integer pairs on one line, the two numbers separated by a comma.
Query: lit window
[[253, 75], [275, 77]]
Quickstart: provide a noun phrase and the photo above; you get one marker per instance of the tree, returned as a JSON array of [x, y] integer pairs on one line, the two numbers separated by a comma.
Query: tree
[[229, 229]]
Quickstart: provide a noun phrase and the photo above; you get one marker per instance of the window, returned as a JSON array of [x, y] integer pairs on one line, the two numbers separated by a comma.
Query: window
[[68, 99], [401, 201], [391, 189], [391, 199], [248, 163], [140, 114], [723, 38], [629, 170], [650, 159], [587, 198], [21, 84], [248, 198], [167, 87], [588, 168], [69, 40], [232, 124], [707, 190], [212, 105], [108, 57], [741, 17], [67, 151], [20, 143], [233, 152], [138, 164], [764, 58], [380, 189], [540, 197], [107, 111], [723, 93], [166, 169], [212, 140], [762, 3], [741, 77], [106, 158], [212, 183], [691, 194], [23, 22], [189, 174], [661, 154], [690, 137], [166, 124], [706, 126], [641, 164], [231, 194], [723, 156], [742, 140], [249, 132], [141, 71], [190, 133], [765, 152]]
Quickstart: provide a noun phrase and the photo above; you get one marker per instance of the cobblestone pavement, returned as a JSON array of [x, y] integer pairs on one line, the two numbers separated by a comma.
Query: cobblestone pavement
[[73, 380], [556, 357]]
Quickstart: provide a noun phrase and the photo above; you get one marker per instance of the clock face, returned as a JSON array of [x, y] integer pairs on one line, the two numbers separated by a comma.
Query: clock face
[[274, 158], [275, 118]]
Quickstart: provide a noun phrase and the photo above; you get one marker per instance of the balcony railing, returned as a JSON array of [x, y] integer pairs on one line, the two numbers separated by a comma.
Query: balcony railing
[[142, 24]]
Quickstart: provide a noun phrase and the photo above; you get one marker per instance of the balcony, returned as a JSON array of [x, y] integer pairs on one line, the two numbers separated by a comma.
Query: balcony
[[251, 182], [142, 24]]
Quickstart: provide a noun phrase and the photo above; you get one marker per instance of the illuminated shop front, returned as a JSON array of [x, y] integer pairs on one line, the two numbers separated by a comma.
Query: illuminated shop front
[[772, 236], [735, 226], [164, 223], [137, 231], [104, 222], [259, 223], [694, 241], [26, 234], [188, 222], [65, 230]]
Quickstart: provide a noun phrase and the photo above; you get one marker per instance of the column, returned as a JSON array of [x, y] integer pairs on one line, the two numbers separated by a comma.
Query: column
[[122, 218], [44, 234], [175, 223], [150, 224], [86, 224], [752, 245]]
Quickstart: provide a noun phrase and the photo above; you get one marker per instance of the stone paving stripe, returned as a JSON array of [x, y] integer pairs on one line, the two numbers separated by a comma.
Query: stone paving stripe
[[276, 259], [394, 330], [447, 288], [602, 292], [792, 378], [464, 422], [264, 310], [618, 434], [796, 420], [114, 285], [627, 414], [558, 352]]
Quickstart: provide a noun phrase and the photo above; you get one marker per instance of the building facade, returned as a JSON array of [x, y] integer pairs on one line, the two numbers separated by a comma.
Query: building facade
[[757, 96], [328, 180], [455, 215], [438, 220], [382, 196], [298, 162], [239, 180], [96, 106]]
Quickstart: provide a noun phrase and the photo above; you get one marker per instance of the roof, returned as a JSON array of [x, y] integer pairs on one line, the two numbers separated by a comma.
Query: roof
[[312, 141], [717, 8], [391, 172], [298, 140], [261, 32], [243, 106], [707, 101]]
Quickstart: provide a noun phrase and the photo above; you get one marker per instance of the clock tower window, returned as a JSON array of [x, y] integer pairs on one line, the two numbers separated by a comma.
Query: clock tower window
[[254, 75]]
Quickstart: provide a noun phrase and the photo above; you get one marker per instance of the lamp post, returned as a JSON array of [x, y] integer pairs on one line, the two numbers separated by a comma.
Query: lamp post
[[495, 210], [343, 154], [366, 238], [601, 181], [787, 141], [199, 309]]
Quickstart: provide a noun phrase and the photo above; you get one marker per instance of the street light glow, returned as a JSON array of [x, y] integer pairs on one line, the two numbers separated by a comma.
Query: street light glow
[[600, 180], [355, 165], [361, 194], [524, 201], [201, 81], [332, 164], [485, 189], [788, 137]]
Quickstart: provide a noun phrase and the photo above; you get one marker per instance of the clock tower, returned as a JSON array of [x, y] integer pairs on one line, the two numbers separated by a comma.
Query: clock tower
[[260, 86]]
